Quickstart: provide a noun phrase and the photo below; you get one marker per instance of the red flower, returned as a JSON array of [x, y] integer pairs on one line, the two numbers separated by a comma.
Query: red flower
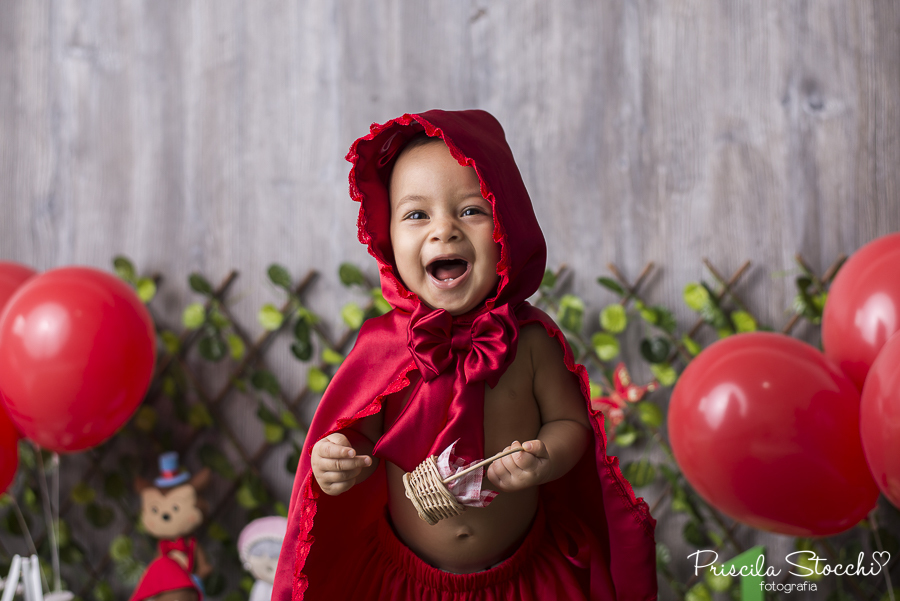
[[625, 392]]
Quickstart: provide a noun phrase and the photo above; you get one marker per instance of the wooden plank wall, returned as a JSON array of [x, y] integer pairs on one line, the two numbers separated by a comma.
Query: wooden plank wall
[[210, 135]]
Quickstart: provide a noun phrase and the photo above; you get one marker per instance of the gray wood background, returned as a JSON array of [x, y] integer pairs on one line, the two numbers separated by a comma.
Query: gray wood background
[[206, 136]]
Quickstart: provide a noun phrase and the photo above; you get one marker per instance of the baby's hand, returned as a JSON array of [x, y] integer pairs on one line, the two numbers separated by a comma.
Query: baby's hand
[[335, 464], [520, 470]]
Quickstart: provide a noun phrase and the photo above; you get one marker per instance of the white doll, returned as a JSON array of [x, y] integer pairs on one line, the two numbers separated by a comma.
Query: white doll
[[259, 545]]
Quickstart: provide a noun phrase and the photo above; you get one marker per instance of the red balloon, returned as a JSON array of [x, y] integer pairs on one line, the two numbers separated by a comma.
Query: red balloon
[[9, 450], [77, 349], [879, 420], [12, 276], [863, 307], [766, 429]]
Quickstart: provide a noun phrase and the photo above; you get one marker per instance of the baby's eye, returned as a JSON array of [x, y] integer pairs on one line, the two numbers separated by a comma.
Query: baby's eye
[[416, 215], [472, 211]]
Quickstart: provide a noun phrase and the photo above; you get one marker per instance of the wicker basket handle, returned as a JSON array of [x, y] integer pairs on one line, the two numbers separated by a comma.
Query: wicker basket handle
[[472, 468]]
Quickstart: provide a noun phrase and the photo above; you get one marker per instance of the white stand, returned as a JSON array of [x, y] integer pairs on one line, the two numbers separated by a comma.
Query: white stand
[[30, 570]]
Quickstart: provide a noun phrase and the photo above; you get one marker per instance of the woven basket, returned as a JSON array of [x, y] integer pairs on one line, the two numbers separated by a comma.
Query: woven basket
[[429, 493]]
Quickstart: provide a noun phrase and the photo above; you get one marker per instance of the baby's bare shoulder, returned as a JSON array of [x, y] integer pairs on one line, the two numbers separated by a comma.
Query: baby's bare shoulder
[[535, 340], [556, 389]]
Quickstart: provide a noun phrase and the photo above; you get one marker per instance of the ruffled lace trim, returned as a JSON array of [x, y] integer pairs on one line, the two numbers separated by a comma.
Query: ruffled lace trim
[[365, 236], [638, 507], [308, 506]]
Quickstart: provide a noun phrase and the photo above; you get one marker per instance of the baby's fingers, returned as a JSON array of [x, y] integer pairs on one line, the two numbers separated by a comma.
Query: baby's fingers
[[521, 460], [334, 446], [348, 464], [535, 448]]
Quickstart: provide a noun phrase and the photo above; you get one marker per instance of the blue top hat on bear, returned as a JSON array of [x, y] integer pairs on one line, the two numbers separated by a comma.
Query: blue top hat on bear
[[170, 473]]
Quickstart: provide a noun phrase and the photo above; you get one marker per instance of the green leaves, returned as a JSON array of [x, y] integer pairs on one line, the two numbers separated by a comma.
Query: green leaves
[[199, 284], [605, 345], [381, 305], [691, 345], [639, 473], [266, 381], [252, 493], [694, 534], [696, 296], [743, 321], [199, 416], [613, 318], [145, 418], [612, 285], [626, 435], [270, 317], [215, 460], [279, 276], [316, 380], [82, 493], [236, 346], [124, 269], [549, 280], [655, 350], [351, 275], [571, 313], [212, 348], [170, 341], [664, 373], [302, 347], [146, 289], [99, 516], [332, 357], [121, 548], [193, 316], [698, 592], [275, 426], [353, 315], [810, 299], [650, 414]]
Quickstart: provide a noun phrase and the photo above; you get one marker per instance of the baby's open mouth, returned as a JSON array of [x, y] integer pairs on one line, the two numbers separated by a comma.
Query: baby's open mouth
[[447, 270]]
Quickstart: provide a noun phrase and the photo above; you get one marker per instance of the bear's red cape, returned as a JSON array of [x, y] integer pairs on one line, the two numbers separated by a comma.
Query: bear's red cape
[[594, 495]]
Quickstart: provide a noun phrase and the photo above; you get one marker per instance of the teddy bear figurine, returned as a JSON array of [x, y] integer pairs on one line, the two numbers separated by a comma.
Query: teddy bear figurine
[[171, 509]]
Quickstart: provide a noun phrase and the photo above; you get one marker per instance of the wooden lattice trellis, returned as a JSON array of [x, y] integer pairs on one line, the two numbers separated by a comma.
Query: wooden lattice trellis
[[91, 572]]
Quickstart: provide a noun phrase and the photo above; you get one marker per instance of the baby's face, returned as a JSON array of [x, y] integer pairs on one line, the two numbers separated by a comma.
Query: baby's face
[[442, 230]]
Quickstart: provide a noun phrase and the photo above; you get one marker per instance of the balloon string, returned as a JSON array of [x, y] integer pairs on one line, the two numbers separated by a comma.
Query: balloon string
[[48, 518], [887, 572], [24, 526], [57, 581]]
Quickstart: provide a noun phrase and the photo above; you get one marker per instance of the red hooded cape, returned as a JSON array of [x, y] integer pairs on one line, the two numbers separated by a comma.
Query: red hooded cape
[[608, 528]]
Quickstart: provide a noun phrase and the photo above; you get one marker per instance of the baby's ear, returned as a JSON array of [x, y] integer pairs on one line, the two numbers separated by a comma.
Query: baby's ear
[[201, 479]]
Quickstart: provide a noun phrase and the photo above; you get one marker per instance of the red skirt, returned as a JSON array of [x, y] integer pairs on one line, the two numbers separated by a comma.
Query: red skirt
[[537, 571]]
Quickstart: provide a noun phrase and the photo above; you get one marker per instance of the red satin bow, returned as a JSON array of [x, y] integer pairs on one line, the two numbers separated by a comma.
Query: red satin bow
[[454, 358], [487, 347]]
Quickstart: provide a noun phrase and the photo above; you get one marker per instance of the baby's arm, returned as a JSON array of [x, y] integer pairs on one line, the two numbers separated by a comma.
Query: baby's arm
[[565, 430], [339, 463]]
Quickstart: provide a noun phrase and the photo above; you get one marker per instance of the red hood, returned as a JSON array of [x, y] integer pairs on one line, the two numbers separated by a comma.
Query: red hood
[[594, 507], [474, 138]]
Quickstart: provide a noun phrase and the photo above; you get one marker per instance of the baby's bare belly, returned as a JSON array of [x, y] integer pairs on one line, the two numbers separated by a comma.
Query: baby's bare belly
[[471, 542]]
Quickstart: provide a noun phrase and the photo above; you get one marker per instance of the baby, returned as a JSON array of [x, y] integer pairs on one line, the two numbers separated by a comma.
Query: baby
[[461, 360]]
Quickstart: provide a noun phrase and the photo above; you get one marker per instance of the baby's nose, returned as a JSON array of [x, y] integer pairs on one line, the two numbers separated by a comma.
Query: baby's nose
[[444, 230]]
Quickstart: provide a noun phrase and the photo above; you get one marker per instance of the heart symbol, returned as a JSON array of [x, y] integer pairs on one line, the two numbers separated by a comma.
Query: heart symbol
[[879, 554]]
